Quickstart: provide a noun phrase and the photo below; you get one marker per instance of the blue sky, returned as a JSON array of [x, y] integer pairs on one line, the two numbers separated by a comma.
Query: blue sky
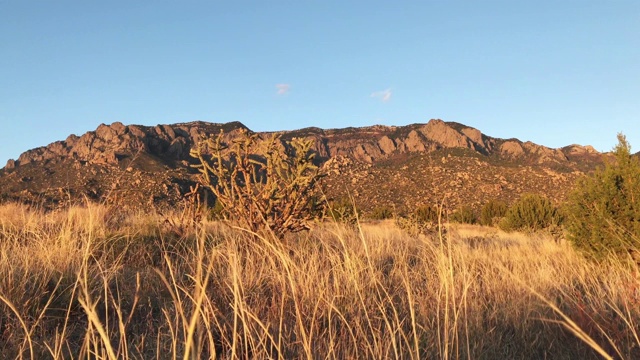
[[553, 72]]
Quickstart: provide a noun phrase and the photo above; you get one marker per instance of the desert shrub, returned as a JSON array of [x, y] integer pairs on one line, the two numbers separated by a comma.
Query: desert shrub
[[464, 215], [381, 213], [423, 220], [492, 212], [343, 210], [427, 214], [414, 227], [603, 211], [530, 212], [261, 185]]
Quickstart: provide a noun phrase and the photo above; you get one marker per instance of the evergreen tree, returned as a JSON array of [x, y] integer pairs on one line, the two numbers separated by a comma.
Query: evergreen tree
[[530, 212], [603, 212], [492, 212]]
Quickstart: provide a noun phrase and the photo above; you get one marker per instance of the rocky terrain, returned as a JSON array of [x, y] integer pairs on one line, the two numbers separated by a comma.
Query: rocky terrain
[[147, 167]]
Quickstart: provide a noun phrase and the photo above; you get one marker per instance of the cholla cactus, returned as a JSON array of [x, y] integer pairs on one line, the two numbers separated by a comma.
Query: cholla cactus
[[261, 185]]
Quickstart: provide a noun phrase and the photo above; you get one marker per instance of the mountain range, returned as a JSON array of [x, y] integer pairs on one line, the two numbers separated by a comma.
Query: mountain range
[[148, 167]]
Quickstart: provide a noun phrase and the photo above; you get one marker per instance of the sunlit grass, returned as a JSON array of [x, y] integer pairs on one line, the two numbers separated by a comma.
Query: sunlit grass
[[92, 283]]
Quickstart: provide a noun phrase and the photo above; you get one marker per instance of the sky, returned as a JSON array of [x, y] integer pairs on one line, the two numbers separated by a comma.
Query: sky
[[552, 72]]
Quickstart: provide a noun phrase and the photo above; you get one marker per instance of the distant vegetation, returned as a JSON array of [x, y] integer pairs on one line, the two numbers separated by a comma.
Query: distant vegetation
[[381, 213], [531, 212], [492, 212], [429, 214], [464, 215], [343, 211]]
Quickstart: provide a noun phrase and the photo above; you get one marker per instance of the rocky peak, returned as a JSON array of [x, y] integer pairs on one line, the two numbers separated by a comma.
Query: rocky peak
[[512, 149], [579, 149], [453, 135], [109, 144]]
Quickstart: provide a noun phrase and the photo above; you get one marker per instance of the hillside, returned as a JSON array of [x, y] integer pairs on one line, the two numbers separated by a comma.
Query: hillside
[[401, 166]]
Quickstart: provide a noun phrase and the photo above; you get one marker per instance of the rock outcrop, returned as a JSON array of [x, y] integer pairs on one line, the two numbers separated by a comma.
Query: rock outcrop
[[512, 149], [110, 144]]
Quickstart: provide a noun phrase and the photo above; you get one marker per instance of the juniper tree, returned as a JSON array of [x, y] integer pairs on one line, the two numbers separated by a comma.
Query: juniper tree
[[603, 211]]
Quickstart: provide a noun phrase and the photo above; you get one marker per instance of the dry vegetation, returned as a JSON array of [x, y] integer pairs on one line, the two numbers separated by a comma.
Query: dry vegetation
[[90, 283]]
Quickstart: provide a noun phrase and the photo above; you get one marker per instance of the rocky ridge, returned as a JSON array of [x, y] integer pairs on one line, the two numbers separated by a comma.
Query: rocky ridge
[[394, 165]]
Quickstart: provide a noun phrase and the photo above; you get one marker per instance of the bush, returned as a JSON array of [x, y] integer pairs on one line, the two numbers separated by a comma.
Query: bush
[[381, 213], [268, 185], [343, 210], [492, 212], [427, 214], [603, 212], [530, 212], [423, 220], [464, 215]]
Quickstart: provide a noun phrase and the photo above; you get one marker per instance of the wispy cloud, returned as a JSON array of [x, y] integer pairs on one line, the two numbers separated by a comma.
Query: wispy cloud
[[384, 95], [283, 89]]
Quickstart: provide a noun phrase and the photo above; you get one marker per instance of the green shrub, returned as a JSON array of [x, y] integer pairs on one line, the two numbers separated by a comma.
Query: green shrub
[[492, 212], [381, 213], [464, 215], [603, 211], [427, 214], [343, 210], [423, 220], [530, 212]]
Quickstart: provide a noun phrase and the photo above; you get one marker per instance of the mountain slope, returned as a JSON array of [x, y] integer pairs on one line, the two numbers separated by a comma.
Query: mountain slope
[[402, 166]]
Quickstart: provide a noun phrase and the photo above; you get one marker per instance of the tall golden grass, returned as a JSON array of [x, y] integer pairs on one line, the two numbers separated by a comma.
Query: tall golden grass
[[90, 283]]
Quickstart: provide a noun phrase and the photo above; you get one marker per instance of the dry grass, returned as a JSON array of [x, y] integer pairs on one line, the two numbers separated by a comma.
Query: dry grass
[[87, 283]]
